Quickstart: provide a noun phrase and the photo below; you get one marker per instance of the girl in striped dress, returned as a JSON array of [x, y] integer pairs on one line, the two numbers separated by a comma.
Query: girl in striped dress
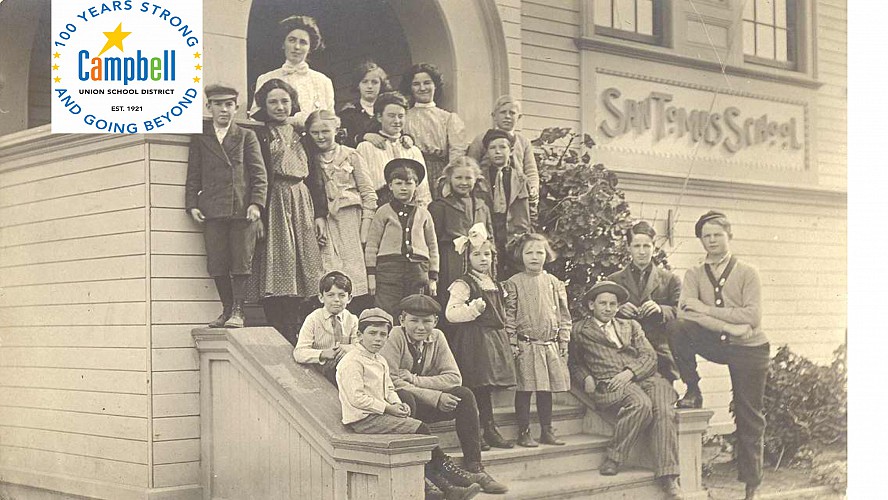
[[538, 324]]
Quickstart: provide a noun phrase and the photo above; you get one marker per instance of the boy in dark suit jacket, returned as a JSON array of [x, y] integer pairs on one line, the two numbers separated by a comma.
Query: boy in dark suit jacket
[[225, 192], [653, 296]]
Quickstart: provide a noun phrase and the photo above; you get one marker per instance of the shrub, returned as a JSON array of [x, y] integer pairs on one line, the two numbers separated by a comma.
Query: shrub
[[582, 212], [806, 406]]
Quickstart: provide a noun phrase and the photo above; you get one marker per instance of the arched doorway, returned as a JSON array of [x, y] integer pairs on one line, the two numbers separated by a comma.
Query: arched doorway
[[25, 65], [466, 42]]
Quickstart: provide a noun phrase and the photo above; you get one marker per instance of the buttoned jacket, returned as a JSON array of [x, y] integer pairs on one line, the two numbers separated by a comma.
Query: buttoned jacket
[[662, 286], [224, 179]]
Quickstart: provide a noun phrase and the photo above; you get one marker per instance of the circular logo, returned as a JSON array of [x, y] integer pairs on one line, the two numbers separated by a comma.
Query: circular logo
[[127, 67]]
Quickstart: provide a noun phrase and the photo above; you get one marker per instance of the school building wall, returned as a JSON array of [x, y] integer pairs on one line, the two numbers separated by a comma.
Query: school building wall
[[102, 274], [99, 393], [791, 225]]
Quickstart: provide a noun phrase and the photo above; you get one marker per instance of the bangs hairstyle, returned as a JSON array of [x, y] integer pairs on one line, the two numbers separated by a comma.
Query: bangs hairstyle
[[433, 72], [640, 227], [488, 243], [337, 279], [402, 173], [521, 241], [305, 23], [387, 98], [366, 67], [462, 162], [262, 94], [325, 115], [362, 325]]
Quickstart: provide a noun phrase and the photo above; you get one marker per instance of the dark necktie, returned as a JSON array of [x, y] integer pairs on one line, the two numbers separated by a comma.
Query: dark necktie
[[416, 352], [337, 329]]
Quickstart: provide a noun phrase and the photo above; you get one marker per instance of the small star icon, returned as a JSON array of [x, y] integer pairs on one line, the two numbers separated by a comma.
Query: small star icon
[[197, 55], [198, 67], [196, 79], [58, 79], [56, 55], [115, 38], [55, 67]]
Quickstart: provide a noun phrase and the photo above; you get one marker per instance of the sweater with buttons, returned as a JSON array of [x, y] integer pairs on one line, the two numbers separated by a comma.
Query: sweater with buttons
[[388, 237]]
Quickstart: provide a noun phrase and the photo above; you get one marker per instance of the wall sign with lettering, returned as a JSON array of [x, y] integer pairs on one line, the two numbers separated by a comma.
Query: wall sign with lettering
[[669, 119]]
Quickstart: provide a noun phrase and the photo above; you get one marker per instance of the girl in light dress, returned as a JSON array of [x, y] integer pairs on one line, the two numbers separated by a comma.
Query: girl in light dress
[[538, 323], [351, 201]]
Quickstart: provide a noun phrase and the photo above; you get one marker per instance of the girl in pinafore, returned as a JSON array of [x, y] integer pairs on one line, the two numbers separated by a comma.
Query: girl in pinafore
[[538, 323], [351, 202], [481, 346]]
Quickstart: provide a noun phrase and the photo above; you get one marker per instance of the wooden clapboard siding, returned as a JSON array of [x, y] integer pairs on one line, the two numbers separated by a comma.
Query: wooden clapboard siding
[[119, 450], [75, 336], [73, 310], [81, 467], [182, 297], [111, 426], [832, 103], [101, 403], [550, 65], [510, 16]]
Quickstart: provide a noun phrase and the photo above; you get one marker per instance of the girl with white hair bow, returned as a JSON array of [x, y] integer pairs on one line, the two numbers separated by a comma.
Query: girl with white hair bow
[[480, 343]]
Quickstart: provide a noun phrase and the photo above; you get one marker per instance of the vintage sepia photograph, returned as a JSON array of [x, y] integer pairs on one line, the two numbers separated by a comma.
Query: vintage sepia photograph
[[424, 249]]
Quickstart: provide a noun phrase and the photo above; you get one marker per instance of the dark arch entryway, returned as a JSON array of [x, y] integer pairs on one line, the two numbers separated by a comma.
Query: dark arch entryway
[[465, 41], [352, 31]]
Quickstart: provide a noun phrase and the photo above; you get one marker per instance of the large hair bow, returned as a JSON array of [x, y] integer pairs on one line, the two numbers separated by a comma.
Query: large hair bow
[[477, 236]]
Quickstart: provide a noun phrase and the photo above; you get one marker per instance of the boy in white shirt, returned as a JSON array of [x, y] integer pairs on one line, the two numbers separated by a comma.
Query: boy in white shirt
[[370, 404]]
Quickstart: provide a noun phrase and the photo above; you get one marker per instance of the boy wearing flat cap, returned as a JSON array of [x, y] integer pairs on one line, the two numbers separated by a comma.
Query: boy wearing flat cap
[[617, 366], [402, 247], [427, 378], [720, 318], [225, 191]]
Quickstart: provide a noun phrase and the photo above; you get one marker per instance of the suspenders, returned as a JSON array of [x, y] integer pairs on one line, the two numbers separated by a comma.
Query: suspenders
[[719, 285]]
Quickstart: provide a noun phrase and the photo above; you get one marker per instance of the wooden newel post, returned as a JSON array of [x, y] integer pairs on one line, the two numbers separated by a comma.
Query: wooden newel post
[[691, 425]]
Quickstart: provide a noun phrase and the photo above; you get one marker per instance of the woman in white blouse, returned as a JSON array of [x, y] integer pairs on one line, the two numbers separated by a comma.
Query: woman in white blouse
[[301, 37]]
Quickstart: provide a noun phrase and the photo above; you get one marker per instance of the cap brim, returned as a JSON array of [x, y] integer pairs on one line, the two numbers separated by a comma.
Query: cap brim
[[222, 97], [620, 292]]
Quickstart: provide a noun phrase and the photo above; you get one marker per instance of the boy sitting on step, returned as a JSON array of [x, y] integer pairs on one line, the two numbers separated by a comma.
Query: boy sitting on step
[[370, 404], [328, 333]]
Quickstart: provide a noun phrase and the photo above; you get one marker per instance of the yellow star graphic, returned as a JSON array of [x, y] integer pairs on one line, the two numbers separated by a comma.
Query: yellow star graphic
[[197, 55], [58, 79], [115, 38], [56, 55], [198, 66], [55, 67], [196, 79]]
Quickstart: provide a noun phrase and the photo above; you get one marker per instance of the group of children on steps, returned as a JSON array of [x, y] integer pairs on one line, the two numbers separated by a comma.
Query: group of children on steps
[[504, 334]]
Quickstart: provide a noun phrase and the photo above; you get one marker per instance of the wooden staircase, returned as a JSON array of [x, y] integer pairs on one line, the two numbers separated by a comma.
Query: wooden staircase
[[271, 429], [562, 472]]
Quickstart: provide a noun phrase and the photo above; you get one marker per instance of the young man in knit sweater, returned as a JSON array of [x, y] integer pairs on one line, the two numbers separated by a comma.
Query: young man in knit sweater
[[402, 248], [720, 319]]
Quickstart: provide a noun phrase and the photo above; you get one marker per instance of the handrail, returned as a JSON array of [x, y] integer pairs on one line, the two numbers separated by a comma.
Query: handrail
[[310, 405]]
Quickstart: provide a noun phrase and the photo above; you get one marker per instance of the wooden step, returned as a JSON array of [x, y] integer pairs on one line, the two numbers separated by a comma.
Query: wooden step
[[582, 452], [630, 484], [565, 419]]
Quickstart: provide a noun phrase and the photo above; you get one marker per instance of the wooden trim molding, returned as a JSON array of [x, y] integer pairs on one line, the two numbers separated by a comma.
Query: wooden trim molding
[[666, 56]]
